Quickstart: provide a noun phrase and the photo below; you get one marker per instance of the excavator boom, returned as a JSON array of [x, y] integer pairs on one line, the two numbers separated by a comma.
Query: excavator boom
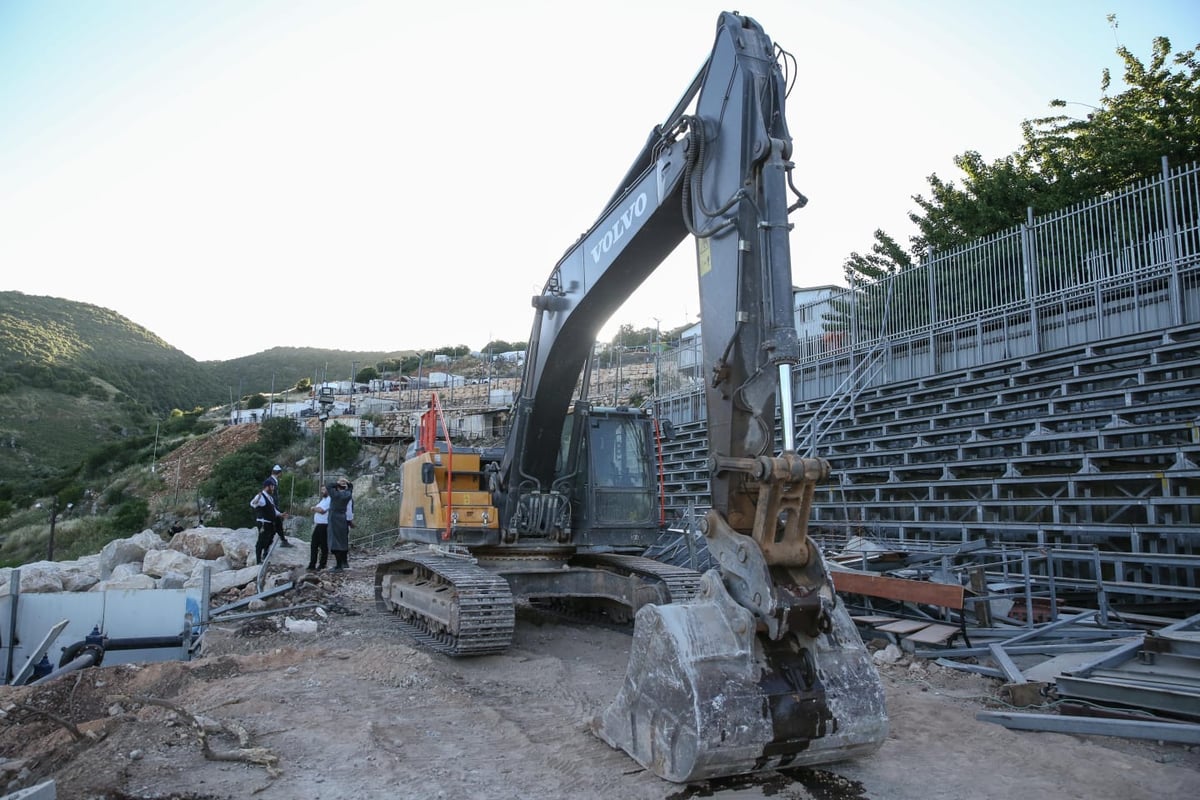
[[764, 667]]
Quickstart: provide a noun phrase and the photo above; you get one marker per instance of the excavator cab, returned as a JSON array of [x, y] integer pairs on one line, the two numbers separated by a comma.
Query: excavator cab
[[615, 487]]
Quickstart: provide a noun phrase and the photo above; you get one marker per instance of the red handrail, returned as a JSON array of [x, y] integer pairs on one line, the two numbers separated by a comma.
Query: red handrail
[[662, 492], [428, 443]]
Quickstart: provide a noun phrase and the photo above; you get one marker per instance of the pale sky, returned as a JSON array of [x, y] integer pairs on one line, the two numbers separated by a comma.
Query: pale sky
[[239, 175]]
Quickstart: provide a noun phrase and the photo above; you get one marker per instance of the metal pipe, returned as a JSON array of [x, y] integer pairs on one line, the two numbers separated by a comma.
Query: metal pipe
[[79, 662], [14, 594], [787, 412]]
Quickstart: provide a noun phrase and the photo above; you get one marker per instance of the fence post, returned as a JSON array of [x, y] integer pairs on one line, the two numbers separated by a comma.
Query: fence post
[[932, 311], [1172, 249], [1029, 267]]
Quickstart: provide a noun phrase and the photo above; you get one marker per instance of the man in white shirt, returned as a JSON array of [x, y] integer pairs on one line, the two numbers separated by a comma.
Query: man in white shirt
[[318, 551]]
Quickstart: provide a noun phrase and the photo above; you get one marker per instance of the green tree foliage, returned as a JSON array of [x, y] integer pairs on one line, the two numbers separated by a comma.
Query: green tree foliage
[[129, 517], [255, 401], [870, 308], [238, 476], [1063, 160], [340, 447], [500, 346], [47, 342], [181, 422], [304, 385], [1067, 159], [234, 480], [366, 375], [276, 435]]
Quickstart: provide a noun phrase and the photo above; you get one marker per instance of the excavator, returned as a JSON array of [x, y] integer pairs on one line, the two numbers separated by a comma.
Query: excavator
[[755, 665]]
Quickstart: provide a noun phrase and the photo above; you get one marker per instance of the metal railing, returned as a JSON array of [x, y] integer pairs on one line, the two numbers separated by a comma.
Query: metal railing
[[1124, 263]]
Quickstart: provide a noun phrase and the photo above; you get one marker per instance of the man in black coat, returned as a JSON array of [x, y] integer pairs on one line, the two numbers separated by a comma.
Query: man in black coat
[[341, 492]]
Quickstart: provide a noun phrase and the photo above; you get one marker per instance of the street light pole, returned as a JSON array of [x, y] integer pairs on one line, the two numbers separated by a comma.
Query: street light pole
[[325, 398], [420, 365]]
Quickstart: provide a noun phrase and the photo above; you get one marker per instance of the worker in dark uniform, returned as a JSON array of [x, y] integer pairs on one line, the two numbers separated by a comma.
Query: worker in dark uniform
[[270, 520], [276, 471]]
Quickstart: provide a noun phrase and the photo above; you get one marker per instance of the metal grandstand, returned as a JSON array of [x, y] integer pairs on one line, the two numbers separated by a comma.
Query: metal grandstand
[[1039, 386]]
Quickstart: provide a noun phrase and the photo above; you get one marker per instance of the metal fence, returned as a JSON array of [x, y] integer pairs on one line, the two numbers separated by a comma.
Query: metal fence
[[1124, 263]]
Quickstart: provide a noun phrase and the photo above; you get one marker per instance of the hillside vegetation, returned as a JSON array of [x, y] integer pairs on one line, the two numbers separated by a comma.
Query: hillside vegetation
[[65, 346], [289, 365]]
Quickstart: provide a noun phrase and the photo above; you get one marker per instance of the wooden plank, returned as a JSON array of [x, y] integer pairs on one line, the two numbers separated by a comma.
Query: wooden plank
[[935, 634], [927, 592], [903, 627]]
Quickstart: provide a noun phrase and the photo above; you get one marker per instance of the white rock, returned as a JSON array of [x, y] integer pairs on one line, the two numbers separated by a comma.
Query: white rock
[[239, 547], [299, 625], [77, 579], [172, 580], [226, 580], [41, 576], [138, 581], [205, 543], [888, 655], [125, 551], [123, 571], [159, 562]]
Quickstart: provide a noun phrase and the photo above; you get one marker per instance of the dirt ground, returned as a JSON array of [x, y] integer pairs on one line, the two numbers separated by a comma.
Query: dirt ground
[[354, 710]]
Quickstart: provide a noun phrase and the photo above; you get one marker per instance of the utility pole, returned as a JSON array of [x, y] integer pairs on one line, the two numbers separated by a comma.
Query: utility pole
[[154, 457], [53, 520]]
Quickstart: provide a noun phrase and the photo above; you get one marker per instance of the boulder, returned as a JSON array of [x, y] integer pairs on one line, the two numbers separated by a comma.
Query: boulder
[[159, 562], [41, 576], [172, 580], [226, 580], [126, 551], [205, 543], [218, 565], [138, 581], [239, 547], [123, 571], [79, 579]]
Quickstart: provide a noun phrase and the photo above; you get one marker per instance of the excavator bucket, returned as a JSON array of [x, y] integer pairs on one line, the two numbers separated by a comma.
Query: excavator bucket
[[704, 696]]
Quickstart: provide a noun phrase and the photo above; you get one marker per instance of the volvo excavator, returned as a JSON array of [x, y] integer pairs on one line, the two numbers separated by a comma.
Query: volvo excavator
[[752, 666]]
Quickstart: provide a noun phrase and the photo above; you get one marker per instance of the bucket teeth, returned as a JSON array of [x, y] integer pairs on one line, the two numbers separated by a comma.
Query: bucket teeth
[[703, 697]]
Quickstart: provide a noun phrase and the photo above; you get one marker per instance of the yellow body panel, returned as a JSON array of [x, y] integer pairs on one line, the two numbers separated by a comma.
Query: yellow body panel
[[424, 505]]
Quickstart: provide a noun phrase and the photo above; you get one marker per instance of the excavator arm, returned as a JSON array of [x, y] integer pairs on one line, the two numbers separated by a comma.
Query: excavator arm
[[765, 668]]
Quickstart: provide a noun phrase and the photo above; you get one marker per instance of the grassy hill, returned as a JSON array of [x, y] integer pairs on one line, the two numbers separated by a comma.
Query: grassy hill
[[253, 373], [65, 346], [80, 384]]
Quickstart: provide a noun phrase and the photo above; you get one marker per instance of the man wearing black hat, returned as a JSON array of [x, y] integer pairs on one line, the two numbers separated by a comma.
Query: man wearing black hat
[[273, 478], [270, 520]]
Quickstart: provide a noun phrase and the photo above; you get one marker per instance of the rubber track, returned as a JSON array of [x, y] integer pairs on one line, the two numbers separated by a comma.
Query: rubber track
[[484, 603], [682, 583]]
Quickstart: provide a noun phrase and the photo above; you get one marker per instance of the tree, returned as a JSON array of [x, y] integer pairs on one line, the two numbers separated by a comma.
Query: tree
[[275, 434], [366, 375], [872, 309], [340, 447], [1066, 160]]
